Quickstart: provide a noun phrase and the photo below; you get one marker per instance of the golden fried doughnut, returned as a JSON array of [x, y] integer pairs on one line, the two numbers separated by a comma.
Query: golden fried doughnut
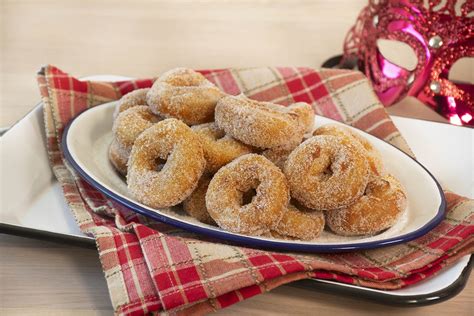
[[195, 204], [278, 155], [175, 142], [378, 209], [131, 123], [306, 114], [300, 223], [127, 126], [275, 235], [219, 148], [262, 124], [118, 156], [324, 173], [131, 99], [225, 201], [184, 94], [373, 155]]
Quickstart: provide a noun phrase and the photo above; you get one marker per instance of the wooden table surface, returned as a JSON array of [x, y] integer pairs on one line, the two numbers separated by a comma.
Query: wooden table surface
[[139, 39], [43, 278]]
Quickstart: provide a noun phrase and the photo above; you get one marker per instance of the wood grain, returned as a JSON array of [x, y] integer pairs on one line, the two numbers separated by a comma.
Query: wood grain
[[44, 278], [142, 38]]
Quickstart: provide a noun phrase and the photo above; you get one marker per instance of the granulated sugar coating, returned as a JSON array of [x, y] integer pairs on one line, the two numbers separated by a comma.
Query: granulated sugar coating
[[335, 176], [127, 126], [169, 140], [305, 114], [262, 124], [184, 94], [118, 156], [131, 99], [378, 209], [373, 156], [324, 173], [219, 148], [131, 123], [224, 198], [278, 155], [183, 77], [195, 204], [300, 223]]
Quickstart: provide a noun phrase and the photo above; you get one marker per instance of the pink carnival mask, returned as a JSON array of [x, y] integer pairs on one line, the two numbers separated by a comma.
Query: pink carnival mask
[[440, 33]]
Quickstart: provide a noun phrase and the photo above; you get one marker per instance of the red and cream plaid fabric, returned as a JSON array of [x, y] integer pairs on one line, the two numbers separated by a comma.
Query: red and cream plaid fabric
[[151, 267]]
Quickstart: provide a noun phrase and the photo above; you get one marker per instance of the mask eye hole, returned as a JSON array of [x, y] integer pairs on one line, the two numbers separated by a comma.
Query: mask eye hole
[[398, 53], [462, 70]]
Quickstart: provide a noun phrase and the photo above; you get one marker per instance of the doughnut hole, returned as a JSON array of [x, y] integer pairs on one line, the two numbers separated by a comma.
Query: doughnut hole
[[160, 163], [323, 169], [326, 174], [220, 134], [248, 196]]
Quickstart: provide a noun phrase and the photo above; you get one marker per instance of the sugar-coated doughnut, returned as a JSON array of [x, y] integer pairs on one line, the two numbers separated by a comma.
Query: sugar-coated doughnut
[[278, 155], [175, 142], [248, 166], [126, 128], [325, 174], [373, 155], [118, 156], [219, 148], [379, 208], [262, 124], [130, 123], [300, 223], [195, 204], [184, 94], [131, 99], [305, 113], [225, 195]]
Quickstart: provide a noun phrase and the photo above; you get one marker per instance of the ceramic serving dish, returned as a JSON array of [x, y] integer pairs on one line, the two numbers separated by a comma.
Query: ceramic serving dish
[[87, 138]]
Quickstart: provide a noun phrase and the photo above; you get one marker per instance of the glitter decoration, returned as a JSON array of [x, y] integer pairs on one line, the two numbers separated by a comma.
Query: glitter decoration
[[435, 87], [439, 32], [375, 20], [435, 42]]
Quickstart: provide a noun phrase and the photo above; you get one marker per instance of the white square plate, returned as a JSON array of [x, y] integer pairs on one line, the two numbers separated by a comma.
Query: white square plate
[[32, 203]]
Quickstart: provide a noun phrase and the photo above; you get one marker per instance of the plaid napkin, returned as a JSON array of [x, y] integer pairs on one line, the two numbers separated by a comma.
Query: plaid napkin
[[151, 267]]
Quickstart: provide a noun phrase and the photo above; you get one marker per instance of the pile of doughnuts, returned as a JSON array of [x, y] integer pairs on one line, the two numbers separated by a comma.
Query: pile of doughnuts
[[249, 167]]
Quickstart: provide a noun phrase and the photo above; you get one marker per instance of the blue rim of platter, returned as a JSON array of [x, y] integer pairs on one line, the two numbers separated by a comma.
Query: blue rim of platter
[[249, 241]]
